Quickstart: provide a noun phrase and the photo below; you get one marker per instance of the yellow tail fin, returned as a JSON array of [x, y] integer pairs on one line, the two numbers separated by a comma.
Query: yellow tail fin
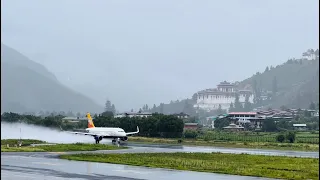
[[90, 122]]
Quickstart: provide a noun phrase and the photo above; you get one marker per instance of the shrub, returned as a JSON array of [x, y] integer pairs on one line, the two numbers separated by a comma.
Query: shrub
[[280, 138], [190, 134], [291, 136]]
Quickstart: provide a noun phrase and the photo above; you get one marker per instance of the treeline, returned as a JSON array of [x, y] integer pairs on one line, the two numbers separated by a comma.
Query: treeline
[[157, 125], [272, 125]]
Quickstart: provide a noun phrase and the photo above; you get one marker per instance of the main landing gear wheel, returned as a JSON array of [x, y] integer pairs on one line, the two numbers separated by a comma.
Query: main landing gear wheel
[[98, 139], [113, 141]]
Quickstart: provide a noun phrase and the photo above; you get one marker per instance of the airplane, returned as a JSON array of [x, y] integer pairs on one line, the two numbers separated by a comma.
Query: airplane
[[116, 134]]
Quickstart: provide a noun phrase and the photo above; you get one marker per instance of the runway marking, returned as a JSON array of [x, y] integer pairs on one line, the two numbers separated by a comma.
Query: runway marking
[[57, 152], [17, 175], [131, 171], [44, 163]]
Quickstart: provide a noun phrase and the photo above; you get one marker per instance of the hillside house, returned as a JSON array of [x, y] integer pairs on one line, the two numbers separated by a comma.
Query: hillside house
[[191, 126]]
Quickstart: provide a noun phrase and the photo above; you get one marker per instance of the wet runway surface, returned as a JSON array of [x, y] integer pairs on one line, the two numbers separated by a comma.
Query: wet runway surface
[[206, 149], [46, 165], [161, 148], [18, 166]]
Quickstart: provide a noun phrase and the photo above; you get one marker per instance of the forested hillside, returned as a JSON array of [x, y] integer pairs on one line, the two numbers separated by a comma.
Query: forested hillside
[[293, 84], [27, 86]]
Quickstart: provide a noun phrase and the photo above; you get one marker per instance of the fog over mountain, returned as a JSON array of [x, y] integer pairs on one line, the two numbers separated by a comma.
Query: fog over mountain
[[148, 52], [28, 86]]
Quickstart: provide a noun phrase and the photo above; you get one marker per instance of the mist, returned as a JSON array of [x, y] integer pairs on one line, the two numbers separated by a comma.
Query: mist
[[148, 52], [12, 131]]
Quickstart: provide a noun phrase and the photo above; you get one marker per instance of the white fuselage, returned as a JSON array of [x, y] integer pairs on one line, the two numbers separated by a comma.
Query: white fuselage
[[105, 131]]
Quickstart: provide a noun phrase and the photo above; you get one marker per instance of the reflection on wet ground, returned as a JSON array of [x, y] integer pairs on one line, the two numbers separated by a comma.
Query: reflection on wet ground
[[20, 166]]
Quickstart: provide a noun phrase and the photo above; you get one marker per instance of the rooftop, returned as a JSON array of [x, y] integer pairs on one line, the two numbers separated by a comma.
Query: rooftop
[[242, 113], [233, 126], [74, 118], [191, 124], [299, 125]]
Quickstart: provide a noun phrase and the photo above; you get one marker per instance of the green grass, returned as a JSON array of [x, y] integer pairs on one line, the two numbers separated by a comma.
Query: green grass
[[25, 142], [301, 137], [237, 164], [60, 148], [234, 144]]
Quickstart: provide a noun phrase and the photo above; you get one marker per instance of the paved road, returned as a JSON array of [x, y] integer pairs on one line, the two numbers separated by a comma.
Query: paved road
[[36, 166]]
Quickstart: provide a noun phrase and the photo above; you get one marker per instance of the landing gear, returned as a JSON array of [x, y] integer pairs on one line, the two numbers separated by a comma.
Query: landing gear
[[114, 141], [98, 139]]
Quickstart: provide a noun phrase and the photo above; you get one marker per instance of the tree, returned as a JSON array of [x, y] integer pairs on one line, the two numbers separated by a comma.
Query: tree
[[113, 108], [274, 85], [247, 104], [269, 125], [190, 134], [154, 108], [291, 136], [161, 108], [283, 108], [219, 110], [237, 105], [231, 108], [312, 106], [194, 97], [107, 114], [219, 123], [188, 108], [267, 69], [108, 106], [280, 138]]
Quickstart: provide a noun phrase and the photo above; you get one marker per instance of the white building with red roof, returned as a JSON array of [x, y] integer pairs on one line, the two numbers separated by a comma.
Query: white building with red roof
[[223, 95]]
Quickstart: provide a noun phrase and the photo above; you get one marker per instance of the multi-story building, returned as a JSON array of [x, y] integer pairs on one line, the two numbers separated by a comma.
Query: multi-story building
[[132, 114], [223, 95]]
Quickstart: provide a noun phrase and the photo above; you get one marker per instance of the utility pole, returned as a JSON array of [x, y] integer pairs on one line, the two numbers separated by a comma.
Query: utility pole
[[20, 142]]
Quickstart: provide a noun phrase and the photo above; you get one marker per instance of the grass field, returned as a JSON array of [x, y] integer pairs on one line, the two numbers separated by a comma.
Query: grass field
[[234, 144], [53, 148], [301, 137], [25, 142], [237, 164]]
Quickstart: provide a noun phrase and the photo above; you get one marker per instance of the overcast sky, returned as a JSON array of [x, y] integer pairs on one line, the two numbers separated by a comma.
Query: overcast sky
[[142, 51]]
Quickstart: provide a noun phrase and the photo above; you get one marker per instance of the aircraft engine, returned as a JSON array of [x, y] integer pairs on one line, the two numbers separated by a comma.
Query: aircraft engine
[[124, 138], [98, 138]]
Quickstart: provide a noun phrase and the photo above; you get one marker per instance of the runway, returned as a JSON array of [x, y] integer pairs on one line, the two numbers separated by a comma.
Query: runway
[[207, 149], [36, 166], [44, 165]]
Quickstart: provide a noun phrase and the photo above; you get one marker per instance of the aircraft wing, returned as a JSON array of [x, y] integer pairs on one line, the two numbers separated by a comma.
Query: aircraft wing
[[91, 134], [130, 133], [82, 133]]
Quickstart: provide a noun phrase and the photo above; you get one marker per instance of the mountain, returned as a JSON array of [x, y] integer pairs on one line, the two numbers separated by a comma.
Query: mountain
[[29, 87], [293, 84]]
